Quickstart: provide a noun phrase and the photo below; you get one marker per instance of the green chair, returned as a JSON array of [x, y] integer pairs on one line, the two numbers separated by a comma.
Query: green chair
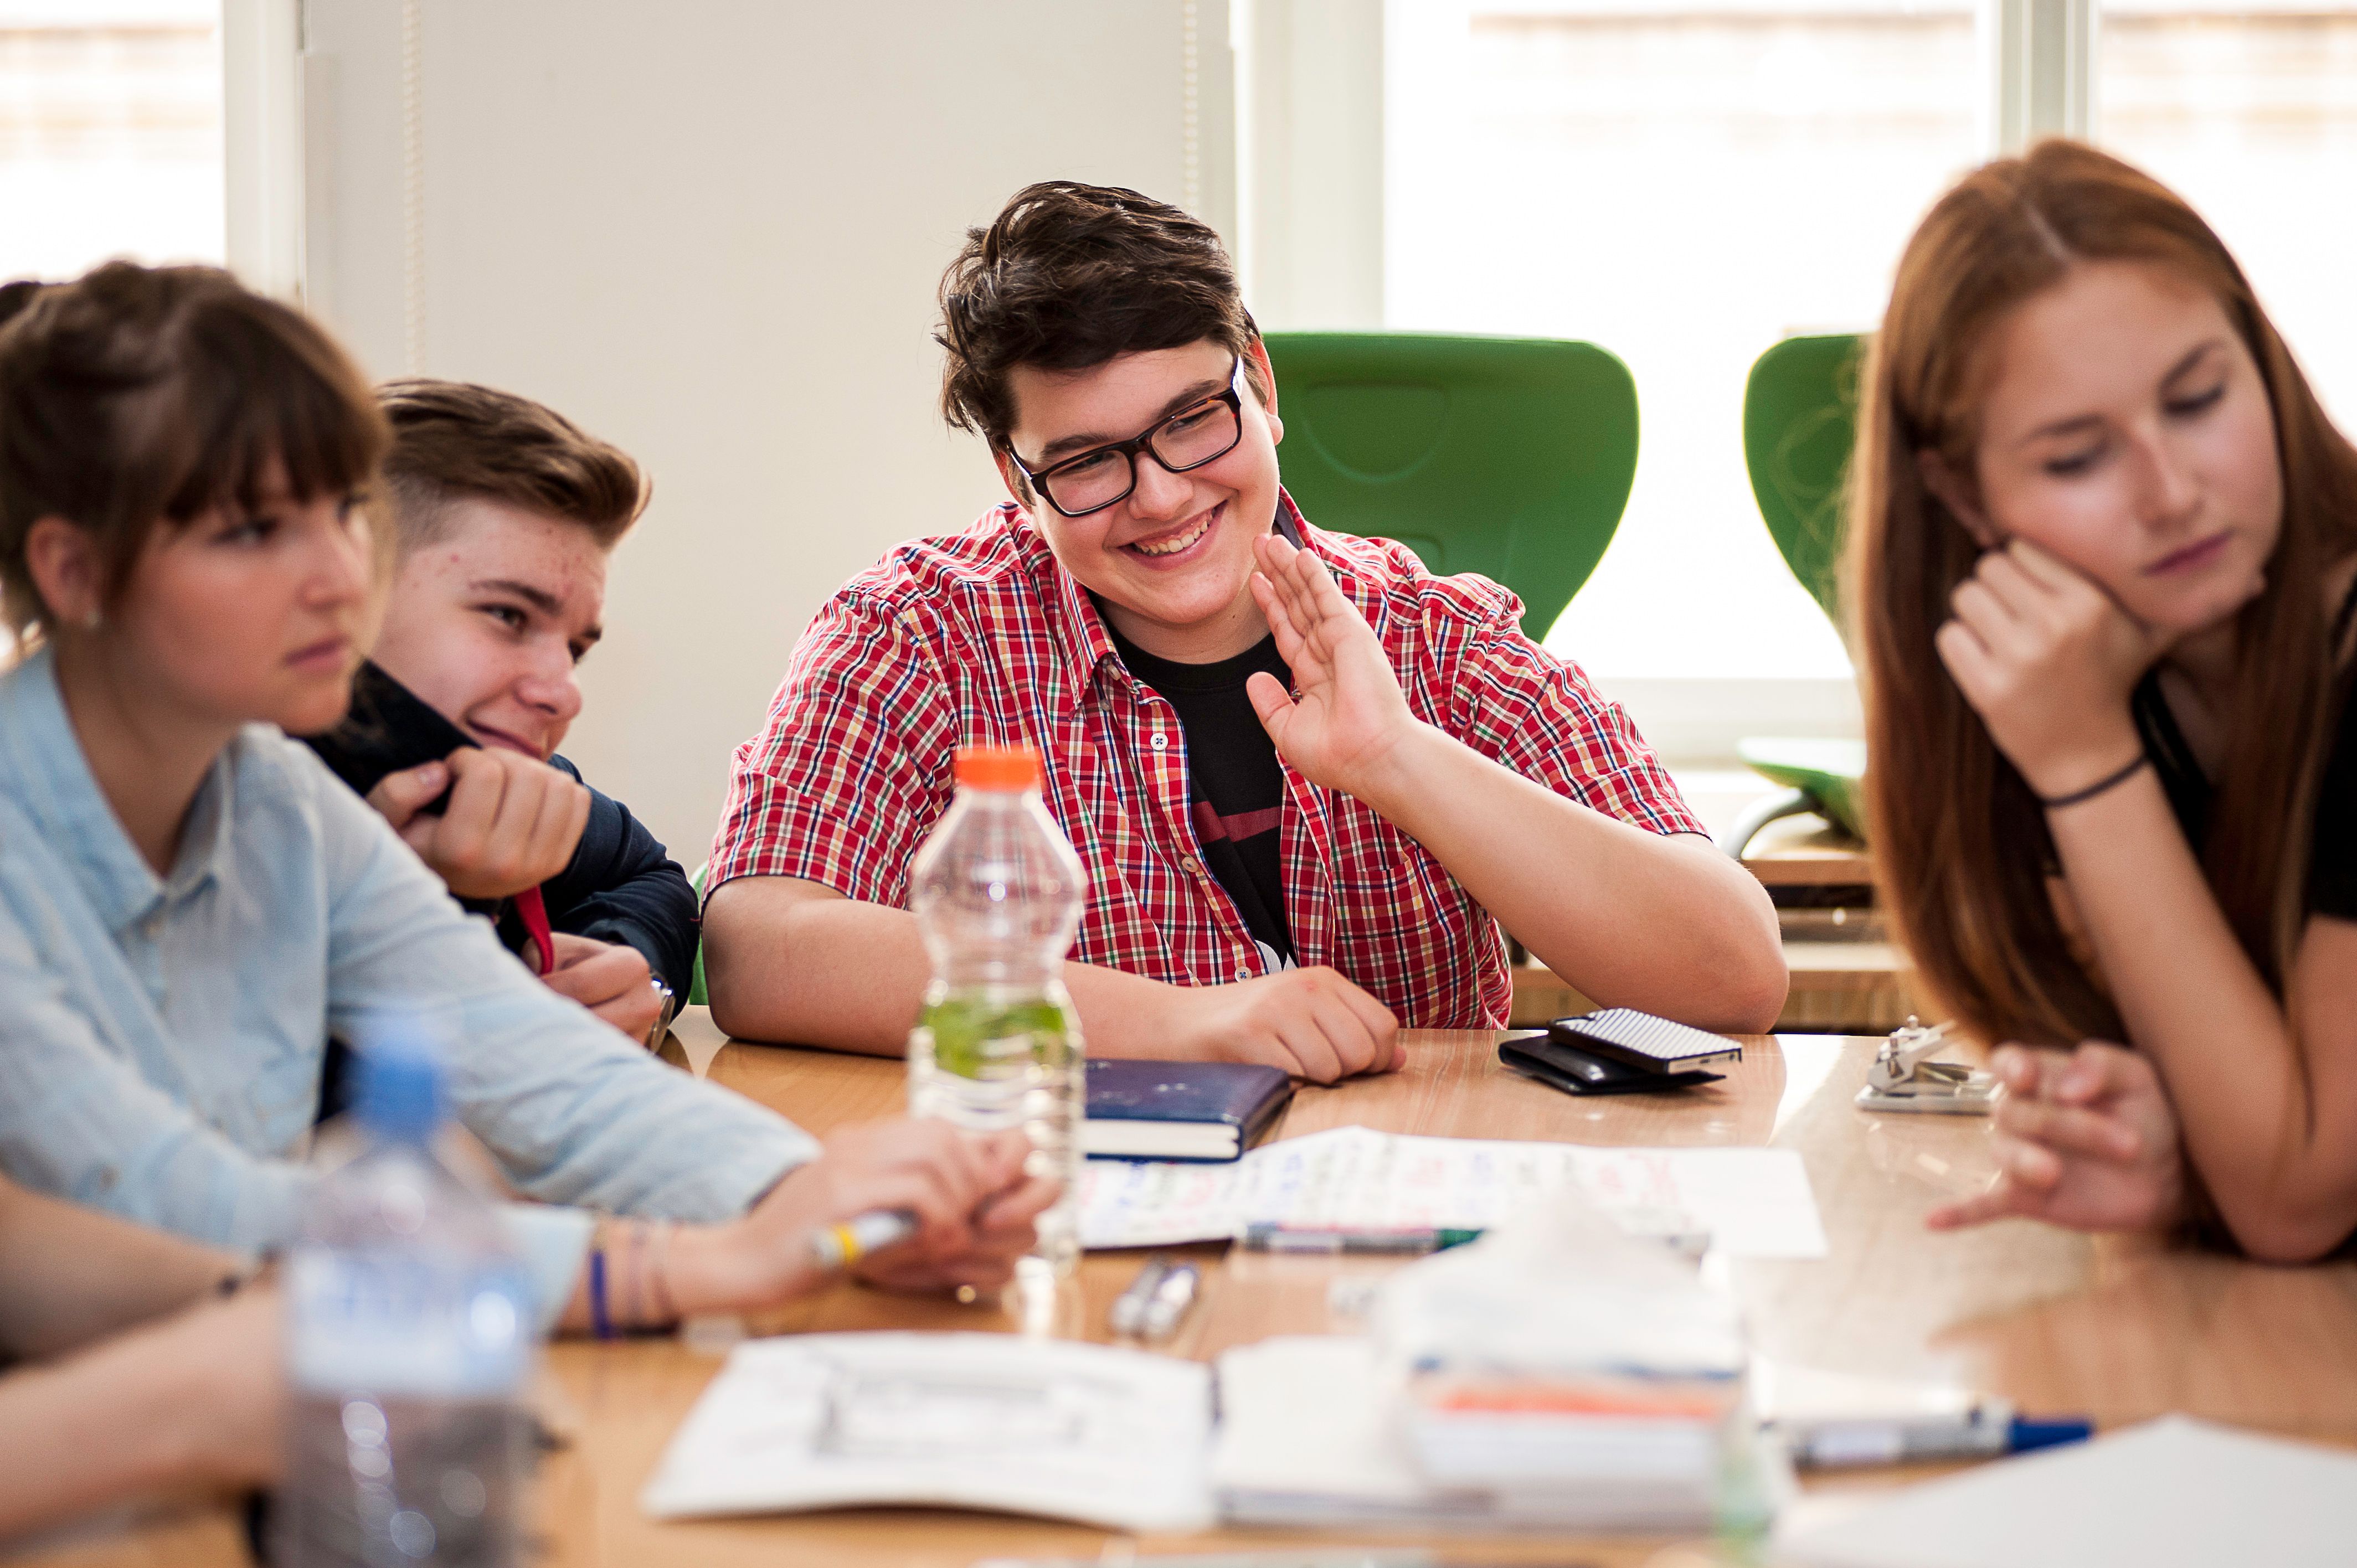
[[1508, 456], [696, 994], [1800, 421]]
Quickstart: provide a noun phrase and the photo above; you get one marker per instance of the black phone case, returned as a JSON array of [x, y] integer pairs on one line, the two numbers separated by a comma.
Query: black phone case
[[1574, 1071], [388, 728]]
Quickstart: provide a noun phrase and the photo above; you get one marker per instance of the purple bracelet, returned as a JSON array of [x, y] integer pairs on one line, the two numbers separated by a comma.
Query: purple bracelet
[[600, 1324]]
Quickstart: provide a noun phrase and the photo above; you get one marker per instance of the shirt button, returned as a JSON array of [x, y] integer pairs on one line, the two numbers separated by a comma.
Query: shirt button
[[1193, 867], [1243, 972], [1160, 742]]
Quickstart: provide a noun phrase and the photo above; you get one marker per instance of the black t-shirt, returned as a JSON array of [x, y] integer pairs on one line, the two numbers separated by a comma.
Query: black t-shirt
[[1236, 784], [2333, 855]]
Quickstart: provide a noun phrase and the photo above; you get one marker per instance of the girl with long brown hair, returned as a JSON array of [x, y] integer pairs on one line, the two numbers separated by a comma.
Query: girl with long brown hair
[[2102, 545]]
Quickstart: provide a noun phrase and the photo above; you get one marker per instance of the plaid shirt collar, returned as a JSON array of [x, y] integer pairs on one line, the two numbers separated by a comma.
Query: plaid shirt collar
[[1079, 630]]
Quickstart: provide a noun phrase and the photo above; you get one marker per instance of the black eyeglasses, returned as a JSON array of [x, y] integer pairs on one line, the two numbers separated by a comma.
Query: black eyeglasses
[[1099, 477]]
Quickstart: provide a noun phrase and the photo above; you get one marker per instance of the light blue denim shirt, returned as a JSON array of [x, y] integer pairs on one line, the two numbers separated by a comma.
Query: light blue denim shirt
[[161, 1039]]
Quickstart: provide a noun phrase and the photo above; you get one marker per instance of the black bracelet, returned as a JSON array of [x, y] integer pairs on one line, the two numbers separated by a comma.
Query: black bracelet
[[2097, 787]]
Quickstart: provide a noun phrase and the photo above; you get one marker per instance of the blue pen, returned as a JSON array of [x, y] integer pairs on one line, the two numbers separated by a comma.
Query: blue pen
[[1985, 1432]]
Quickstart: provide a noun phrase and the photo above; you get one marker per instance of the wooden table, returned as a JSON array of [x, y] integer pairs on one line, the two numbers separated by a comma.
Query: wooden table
[[2063, 1324]]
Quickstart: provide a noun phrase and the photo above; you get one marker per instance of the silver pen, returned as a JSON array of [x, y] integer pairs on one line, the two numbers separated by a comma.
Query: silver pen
[[1128, 1314], [1172, 1297]]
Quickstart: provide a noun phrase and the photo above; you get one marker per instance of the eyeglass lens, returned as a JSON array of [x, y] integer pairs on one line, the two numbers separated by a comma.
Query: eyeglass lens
[[1183, 441]]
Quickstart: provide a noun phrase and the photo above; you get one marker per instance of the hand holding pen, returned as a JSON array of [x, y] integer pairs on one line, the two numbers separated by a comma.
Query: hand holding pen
[[970, 1206]]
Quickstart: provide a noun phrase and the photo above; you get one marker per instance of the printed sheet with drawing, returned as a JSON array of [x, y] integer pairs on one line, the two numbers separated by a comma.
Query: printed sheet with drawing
[[1754, 1203]]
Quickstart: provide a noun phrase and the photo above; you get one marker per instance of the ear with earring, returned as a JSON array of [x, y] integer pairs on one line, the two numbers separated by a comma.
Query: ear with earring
[[94, 620]]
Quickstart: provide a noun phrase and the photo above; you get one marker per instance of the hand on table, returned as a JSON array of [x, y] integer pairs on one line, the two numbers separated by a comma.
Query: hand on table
[[511, 823], [1311, 1022], [2048, 659], [1350, 716], [610, 979], [976, 1210], [2085, 1139]]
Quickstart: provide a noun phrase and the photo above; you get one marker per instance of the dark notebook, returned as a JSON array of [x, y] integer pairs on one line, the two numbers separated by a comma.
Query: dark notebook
[[1180, 1111]]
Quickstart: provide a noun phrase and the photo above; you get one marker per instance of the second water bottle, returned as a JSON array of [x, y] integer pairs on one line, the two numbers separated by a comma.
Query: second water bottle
[[997, 893]]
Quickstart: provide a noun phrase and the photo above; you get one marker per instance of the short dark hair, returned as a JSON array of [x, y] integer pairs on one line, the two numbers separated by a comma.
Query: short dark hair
[[15, 295], [139, 396], [1070, 276], [455, 439]]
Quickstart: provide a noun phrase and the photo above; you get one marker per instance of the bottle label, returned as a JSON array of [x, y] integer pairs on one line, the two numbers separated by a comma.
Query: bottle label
[[400, 1323]]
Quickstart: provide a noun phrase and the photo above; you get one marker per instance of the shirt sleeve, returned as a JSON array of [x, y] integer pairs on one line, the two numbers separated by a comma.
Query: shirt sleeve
[[852, 769], [1522, 707], [574, 1113], [623, 886], [79, 1122]]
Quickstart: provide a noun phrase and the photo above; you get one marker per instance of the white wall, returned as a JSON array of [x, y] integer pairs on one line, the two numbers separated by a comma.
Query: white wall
[[711, 232]]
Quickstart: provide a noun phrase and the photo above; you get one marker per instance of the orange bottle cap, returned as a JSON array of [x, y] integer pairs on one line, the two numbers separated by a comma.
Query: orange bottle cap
[[998, 768]]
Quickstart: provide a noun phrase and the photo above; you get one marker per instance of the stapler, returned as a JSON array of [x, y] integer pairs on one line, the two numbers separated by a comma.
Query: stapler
[[1903, 1079]]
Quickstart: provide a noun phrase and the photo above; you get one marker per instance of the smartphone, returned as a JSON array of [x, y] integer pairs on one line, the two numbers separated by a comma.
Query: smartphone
[[1576, 1071], [1642, 1041]]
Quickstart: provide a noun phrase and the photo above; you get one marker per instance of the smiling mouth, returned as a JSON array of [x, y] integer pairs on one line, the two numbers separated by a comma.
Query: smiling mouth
[[1180, 543], [503, 740]]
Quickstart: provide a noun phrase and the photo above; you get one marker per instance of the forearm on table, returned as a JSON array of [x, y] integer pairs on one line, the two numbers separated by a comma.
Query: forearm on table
[[77, 1276], [126, 1420], [829, 971], [2268, 1134], [1662, 922]]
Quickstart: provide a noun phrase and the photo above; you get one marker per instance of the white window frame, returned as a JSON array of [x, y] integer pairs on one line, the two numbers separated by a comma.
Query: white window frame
[[1312, 138], [262, 142]]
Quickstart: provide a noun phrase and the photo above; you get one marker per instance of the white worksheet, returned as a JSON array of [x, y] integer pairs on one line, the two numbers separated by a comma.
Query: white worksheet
[[1111, 1438], [1753, 1202]]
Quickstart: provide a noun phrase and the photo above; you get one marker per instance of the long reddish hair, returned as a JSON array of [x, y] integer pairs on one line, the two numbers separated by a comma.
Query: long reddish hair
[[1961, 846]]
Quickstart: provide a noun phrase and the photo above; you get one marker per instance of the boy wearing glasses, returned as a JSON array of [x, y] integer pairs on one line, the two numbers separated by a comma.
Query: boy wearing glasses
[[1309, 779]]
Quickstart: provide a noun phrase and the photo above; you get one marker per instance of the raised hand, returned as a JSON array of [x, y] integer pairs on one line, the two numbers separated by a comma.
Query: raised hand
[[1350, 716], [2048, 659], [2085, 1139]]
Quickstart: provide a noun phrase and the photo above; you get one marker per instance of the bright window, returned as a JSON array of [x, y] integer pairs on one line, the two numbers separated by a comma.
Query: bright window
[[2250, 112], [1681, 183], [110, 134], [1684, 182]]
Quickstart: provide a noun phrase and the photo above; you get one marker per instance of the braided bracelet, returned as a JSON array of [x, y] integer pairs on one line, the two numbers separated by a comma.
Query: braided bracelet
[[2108, 781]]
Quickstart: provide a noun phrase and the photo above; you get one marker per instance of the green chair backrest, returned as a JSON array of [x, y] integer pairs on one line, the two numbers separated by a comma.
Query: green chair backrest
[[1800, 421], [1508, 456], [698, 996]]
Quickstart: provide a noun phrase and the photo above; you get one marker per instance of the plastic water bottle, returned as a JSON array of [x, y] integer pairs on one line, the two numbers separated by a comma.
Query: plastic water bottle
[[997, 893], [410, 1341]]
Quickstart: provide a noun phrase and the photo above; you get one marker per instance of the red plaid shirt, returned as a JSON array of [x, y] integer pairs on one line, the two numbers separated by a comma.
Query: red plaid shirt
[[980, 638]]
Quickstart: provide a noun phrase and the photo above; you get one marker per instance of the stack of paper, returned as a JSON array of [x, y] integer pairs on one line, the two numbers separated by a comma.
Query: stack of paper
[[1104, 1436], [1754, 1203], [1311, 1436], [1558, 1352]]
